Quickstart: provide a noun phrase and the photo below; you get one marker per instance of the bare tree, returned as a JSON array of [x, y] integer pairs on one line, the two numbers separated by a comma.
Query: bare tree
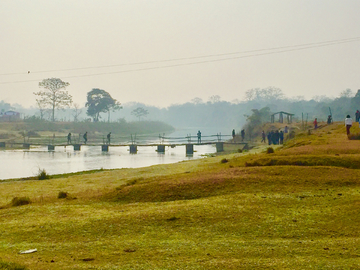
[[266, 94], [214, 99], [76, 111], [42, 107], [197, 100], [54, 95]]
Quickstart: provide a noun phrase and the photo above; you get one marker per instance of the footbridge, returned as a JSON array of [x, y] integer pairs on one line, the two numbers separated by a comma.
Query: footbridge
[[132, 141]]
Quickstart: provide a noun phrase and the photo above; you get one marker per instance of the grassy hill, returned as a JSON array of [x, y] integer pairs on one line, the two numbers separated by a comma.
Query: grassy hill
[[297, 208]]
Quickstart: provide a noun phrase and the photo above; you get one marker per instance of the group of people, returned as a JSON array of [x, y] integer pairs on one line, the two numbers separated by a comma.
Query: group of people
[[348, 121], [273, 137], [242, 134], [85, 137]]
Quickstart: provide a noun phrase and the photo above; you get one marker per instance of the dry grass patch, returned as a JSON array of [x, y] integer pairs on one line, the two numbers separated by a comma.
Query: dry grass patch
[[204, 214]]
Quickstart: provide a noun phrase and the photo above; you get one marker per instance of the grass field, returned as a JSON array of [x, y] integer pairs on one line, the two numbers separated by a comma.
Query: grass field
[[297, 208]]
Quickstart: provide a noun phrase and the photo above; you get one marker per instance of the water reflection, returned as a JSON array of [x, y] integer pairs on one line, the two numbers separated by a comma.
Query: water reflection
[[25, 163]]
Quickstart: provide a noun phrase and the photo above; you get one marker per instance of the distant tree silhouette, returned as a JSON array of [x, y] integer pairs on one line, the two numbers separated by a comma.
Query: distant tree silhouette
[[100, 101], [140, 112], [54, 95]]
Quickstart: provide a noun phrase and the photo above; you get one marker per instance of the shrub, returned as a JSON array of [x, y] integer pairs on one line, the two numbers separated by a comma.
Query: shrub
[[270, 150], [18, 201], [62, 195], [42, 175]]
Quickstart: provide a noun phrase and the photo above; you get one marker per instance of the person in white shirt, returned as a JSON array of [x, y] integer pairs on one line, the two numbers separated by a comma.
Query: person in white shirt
[[348, 124]]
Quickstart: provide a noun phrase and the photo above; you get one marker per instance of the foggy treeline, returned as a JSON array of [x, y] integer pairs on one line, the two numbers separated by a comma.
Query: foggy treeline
[[218, 113]]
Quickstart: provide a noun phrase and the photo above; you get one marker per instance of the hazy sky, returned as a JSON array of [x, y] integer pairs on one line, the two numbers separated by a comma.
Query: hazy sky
[[163, 52]]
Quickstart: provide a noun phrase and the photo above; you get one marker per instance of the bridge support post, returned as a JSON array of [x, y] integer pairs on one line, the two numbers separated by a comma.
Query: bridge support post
[[189, 149], [105, 148], [77, 147], [219, 147], [2, 144], [161, 148], [51, 147], [133, 148], [26, 145]]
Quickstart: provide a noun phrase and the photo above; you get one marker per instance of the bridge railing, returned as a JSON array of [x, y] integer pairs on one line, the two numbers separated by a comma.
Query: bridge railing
[[143, 139]]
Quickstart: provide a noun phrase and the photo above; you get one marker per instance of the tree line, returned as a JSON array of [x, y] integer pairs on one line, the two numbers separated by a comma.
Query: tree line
[[100, 106], [54, 97]]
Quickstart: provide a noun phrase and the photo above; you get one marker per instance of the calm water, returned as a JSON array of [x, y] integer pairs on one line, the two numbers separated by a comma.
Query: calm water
[[25, 163]]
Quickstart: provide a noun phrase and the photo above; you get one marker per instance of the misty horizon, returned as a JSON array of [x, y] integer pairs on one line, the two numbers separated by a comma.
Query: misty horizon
[[161, 53]]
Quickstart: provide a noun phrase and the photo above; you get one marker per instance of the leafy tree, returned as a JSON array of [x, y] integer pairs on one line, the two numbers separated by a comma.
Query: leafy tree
[[5, 106], [255, 120], [54, 95], [140, 112], [100, 101], [347, 93]]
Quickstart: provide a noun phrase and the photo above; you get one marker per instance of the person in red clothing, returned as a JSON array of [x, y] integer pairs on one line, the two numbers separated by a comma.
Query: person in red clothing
[[315, 123]]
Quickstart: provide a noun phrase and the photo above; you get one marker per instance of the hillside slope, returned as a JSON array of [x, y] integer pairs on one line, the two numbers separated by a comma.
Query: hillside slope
[[296, 208]]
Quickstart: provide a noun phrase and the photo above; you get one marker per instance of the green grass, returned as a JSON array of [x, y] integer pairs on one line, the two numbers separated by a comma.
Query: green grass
[[203, 214], [11, 266]]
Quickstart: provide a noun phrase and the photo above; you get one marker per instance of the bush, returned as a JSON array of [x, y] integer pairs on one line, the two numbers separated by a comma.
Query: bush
[[42, 175], [270, 150], [224, 160], [62, 195], [18, 201]]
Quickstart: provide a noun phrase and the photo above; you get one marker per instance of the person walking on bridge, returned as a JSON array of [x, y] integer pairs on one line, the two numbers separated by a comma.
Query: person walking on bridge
[[69, 138], [108, 138], [199, 136], [242, 133], [85, 137]]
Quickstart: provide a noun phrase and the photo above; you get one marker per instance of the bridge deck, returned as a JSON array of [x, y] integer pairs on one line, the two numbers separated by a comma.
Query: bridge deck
[[128, 144]]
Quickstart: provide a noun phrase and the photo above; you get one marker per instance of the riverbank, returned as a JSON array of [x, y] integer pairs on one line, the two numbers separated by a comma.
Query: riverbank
[[224, 212]]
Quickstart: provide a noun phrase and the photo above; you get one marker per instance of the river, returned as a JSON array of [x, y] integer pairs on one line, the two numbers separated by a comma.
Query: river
[[26, 163]]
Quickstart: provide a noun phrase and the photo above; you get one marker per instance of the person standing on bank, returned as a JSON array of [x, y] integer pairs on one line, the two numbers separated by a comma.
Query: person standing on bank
[[348, 124], [281, 137], [269, 137], [263, 136], [315, 123]]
